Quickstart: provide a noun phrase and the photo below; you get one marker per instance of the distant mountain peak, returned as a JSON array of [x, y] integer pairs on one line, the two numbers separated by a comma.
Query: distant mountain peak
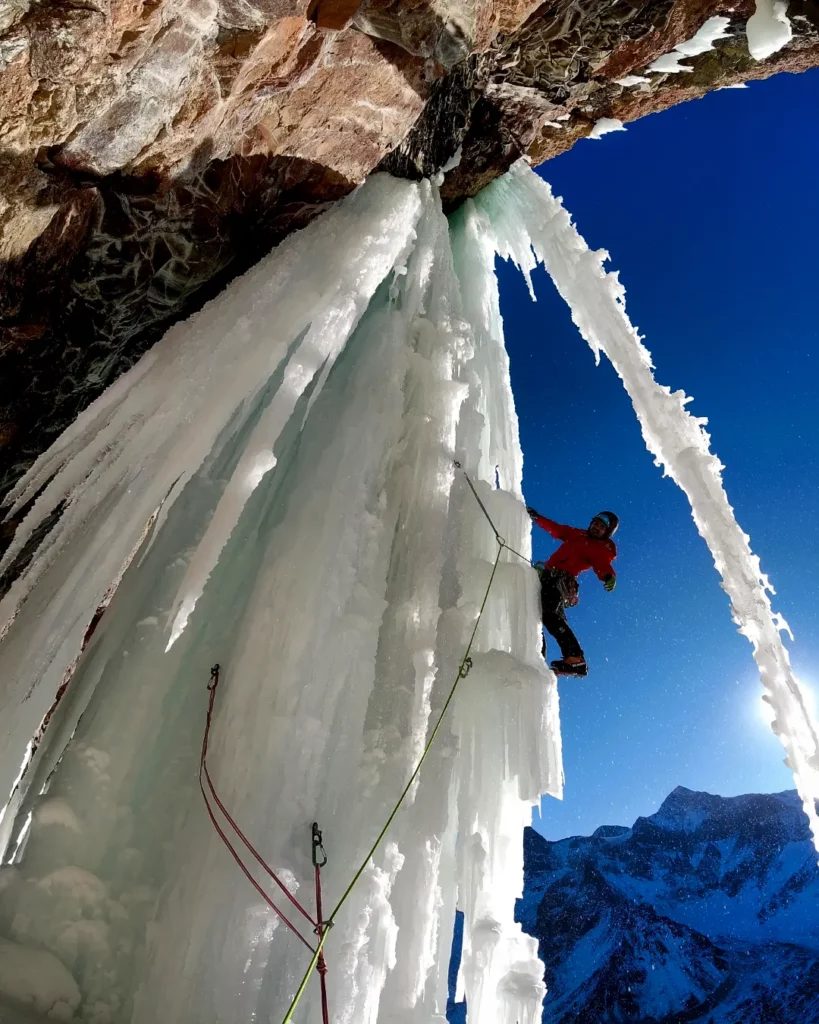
[[686, 808], [610, 831], [706, 911]]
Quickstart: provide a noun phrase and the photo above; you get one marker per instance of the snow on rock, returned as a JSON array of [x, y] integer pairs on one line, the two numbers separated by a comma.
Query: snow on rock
[[37, 980], [604, 125], [454, 161], [704, 38], [536, 227], [294, 448], [701, 42], [768, 29]]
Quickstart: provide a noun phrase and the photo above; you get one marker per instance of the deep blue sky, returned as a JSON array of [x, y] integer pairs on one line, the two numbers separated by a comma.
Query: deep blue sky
[[711, 215]]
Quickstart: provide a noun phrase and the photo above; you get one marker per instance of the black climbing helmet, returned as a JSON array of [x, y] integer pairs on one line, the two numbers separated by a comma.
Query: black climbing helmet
[[610, 521]]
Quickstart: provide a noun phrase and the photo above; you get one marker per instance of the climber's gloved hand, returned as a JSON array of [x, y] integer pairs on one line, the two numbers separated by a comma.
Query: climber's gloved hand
[[533, 513], [609, 583]]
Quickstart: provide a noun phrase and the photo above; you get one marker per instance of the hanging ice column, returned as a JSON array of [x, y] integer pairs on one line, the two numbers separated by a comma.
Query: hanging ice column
[[297, 438], [531, 226]]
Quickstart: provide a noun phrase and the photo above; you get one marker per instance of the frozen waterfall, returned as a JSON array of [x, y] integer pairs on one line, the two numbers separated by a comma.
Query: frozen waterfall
[[274, 486], [291, 449]]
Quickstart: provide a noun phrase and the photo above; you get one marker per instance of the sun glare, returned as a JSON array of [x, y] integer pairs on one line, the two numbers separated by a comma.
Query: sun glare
[[765, 712]]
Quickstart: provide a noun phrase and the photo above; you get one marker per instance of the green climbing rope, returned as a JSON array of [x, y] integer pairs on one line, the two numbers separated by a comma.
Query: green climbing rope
[[463, 669]]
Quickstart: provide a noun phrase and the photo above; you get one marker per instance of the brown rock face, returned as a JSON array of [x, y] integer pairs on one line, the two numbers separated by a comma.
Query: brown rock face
[[445, 30], [335, 14], [152, 149]]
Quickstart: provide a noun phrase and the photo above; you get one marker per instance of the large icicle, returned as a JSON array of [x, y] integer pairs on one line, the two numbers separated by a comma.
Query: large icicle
[[500, 970], [298, 439], [532, 225], [137, 446]]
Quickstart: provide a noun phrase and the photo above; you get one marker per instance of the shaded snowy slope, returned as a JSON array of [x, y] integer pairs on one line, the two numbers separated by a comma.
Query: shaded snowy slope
[[706, 911]]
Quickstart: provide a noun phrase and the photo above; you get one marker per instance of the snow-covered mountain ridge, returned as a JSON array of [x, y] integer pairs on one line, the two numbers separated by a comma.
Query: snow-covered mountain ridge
[[706, 911]]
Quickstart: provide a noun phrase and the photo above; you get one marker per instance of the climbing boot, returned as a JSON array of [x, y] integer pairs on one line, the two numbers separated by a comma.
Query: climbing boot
[[570, 667]]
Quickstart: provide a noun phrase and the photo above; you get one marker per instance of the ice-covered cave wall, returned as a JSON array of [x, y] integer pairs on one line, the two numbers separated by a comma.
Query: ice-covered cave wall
[[292, 449]]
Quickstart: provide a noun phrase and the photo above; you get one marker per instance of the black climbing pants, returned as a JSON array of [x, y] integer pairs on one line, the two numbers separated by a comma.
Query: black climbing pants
[[558, 589]]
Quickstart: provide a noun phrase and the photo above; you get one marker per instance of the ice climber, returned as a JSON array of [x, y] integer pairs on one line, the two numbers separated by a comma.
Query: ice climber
[[581, 549]]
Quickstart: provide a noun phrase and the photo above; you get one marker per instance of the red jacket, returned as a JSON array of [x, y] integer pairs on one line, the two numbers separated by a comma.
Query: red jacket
[[579, 551]]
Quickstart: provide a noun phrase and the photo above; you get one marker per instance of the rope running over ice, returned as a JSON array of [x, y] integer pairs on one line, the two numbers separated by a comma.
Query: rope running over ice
[[322, 927], [318, 855], [498, 537], [204, 777], [463, 669]]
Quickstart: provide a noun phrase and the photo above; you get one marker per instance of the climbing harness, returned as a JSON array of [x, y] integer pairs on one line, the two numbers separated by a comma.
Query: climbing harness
[[322, 926], [565, 584]]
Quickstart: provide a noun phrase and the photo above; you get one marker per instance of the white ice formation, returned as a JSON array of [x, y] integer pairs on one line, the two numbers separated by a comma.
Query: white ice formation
[[701, 42], [604, 125], [292, 447], [768, 29], [541, 231], [36, 979]]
